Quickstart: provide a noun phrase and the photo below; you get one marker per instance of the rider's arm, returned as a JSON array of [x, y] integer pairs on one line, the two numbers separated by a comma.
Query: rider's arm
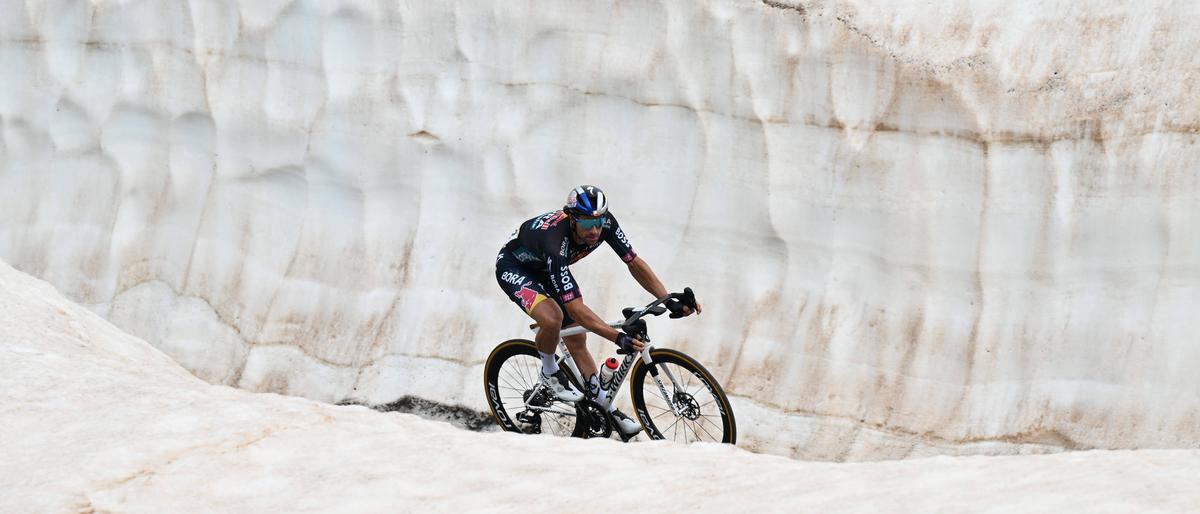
[[641, 271], [583, 315], [646, 277], [568, 293], [615, 237], [650, 282]]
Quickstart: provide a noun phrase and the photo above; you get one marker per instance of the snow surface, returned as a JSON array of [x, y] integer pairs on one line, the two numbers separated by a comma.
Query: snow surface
[[917, 227], [96, 420]]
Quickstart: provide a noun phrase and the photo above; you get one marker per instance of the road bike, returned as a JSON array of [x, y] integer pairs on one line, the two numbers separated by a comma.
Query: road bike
[[673, 395]]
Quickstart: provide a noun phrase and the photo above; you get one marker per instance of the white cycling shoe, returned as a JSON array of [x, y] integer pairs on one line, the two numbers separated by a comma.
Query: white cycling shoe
[[560, 387], [627, 425]]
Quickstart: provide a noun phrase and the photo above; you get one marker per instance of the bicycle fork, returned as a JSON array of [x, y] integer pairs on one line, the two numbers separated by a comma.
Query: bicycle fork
[[658, 381]]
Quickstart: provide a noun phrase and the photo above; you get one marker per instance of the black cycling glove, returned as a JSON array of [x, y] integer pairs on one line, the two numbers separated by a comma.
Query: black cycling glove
[[625, 343], [676, 308]]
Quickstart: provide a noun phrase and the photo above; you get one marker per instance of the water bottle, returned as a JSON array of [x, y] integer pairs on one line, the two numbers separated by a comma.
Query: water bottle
[[606, 373]]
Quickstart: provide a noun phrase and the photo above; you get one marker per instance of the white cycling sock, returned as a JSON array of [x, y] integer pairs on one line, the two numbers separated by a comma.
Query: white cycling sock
[[549, 364]]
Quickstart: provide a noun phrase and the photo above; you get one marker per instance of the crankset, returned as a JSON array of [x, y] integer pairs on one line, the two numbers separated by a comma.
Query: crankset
[[596, 421]]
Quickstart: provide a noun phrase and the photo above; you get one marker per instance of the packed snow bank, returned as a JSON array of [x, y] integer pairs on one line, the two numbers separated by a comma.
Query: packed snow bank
[[95, 420], [918, 227]]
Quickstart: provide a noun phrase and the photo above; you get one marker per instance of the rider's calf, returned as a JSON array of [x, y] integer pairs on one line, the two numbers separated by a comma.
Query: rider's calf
[[577, 345], [549, 319]]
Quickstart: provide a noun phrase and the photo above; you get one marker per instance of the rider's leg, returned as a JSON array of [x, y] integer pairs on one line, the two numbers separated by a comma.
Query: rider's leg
[[549, 318], [577, 345]]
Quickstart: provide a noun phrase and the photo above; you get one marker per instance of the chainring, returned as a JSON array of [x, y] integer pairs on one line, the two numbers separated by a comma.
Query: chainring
[[596, 421]]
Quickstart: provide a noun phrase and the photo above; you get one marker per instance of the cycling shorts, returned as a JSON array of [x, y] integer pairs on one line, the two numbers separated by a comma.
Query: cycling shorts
[[526, 288]]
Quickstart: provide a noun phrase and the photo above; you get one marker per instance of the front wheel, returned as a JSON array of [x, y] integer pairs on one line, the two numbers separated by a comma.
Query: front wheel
[[701, 410]]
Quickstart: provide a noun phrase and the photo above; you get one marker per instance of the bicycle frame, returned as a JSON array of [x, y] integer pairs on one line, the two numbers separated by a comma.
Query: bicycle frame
[[622, 372]]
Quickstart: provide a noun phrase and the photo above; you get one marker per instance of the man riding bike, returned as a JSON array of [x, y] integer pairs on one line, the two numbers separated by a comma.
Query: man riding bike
[[533, 266]]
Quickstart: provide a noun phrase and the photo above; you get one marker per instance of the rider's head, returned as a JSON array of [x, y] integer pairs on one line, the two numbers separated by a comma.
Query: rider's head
[[587, 205]]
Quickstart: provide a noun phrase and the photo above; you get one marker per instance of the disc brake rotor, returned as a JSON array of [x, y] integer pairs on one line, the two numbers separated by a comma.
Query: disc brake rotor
[[687, 405]]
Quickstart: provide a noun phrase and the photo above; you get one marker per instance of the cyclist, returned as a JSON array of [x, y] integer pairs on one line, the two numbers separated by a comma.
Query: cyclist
[[534, 266]]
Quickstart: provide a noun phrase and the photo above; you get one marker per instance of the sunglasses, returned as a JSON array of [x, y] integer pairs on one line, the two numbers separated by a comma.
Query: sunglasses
[[590, 223]]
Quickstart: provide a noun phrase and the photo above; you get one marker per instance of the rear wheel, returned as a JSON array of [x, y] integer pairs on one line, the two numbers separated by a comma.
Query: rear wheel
[[510, 377], [701, 410]]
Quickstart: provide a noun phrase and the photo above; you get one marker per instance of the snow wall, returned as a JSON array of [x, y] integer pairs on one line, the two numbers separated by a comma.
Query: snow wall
[[921, 227]]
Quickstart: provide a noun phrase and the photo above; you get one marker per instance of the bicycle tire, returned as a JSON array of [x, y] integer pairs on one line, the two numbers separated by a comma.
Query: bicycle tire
[[511, 371], [659, 420]]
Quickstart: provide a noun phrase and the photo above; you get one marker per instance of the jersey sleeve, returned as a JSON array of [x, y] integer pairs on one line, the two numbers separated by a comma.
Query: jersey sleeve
[[619, 243], [557, 266]]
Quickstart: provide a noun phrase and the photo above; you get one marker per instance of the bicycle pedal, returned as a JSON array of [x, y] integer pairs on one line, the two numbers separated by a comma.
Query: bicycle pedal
[[532, 421]]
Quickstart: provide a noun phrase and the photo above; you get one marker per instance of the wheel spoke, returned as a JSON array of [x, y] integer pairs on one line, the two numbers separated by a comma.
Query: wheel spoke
[[510, 374], [559, 420], [520, 392], [509, 385], [664, 409], [526, 379], [534, 373], [557, 423], [676, 431], [529, 375], [664, 413], [655, 400], [692, 426], [710, 436], [508, 371], [705, 418]]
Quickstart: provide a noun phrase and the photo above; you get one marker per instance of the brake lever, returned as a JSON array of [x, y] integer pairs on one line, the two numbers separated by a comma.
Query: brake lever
[[688, 299], [676, 315]]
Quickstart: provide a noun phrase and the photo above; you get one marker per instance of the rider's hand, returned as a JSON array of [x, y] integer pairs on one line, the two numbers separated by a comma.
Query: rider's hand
[[628, 344], [679, 310]]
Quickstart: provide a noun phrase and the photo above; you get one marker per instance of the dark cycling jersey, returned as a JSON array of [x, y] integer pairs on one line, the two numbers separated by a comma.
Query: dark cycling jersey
[[543, 246]]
